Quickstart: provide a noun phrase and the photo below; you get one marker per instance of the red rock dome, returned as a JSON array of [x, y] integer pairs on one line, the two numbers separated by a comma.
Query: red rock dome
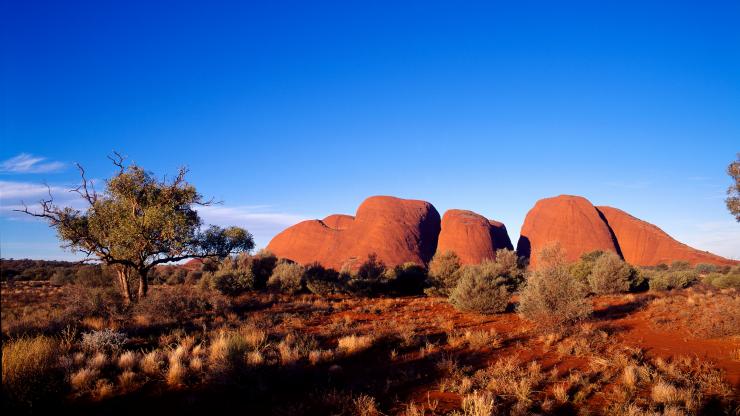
[[471, 236], [396, 230], [644, 244], [570, 220]]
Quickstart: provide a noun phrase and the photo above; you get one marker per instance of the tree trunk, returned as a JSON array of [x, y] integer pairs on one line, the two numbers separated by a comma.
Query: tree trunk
[[123, 283], [143, 283]]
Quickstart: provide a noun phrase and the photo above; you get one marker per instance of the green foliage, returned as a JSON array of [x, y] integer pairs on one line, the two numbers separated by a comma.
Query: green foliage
[[443, 273], [704, 268], [680, 265], [321, 281], [733, 192], [480, 289], [287, 277], [551, 296], [610, 274], [232, 278], [103, 301], [261, 265], [671, 279], [406, 279], [723, 281], [582, 268], [139, 222]]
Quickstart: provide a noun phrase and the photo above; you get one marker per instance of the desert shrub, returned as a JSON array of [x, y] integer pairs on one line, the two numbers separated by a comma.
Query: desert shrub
[[320, 280], [551, 296], [369, 279], [287, 277], [611, 274], [94, 276], [478, 291], [672, 279], [180, 303], [723, 281], [680, 265], [193, 277], [30, 372], [442, 274], [582, 268], [261, 264], [105, 340], [705, 268], [230, 278], [95, 301], [62, 277], [177, 277], [407, 279]]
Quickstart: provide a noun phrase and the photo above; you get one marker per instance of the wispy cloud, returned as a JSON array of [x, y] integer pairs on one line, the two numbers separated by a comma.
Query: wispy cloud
[[719, 237], [26, 163], [13, 194], [263, 221]]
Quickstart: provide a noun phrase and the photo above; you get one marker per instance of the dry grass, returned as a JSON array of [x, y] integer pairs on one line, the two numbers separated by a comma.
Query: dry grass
[[353, 344]]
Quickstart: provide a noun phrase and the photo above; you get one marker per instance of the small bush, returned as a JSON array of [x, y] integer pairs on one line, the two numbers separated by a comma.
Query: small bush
[[704, 268], [105, 340], [62, 277], [369, 279], [723, 281], [230, 278], [581, 269], [179, 304], [407, 279], [95, 301], [551, 296], [30, 372], [287, 277], [443, 273], [321, 281], [680, 265], [671, 279], [610, 274], [477, 291], [261, 264]]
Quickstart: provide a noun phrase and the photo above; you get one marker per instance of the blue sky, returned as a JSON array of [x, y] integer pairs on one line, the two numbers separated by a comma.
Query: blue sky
[[287, 111]]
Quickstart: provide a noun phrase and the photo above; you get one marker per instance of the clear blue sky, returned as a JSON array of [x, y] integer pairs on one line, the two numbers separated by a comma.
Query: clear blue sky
[[297, 110]]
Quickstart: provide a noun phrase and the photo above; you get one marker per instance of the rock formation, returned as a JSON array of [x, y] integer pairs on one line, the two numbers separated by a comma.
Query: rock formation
[[644, 244], [396, 230], [471, 236], [570, 220]]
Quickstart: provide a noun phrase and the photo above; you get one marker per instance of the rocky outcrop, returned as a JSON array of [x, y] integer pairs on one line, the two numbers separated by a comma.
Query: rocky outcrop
[[572, 221], [644, 244], [471, 236], [396, 230]]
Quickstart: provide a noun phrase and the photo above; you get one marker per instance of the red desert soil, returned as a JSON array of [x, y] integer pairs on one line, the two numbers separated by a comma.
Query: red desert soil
[[396, 230], [572, 221], [471, 236], [644, 244]]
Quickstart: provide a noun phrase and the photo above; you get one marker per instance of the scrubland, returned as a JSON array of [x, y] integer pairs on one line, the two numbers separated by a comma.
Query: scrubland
[[259, 336]]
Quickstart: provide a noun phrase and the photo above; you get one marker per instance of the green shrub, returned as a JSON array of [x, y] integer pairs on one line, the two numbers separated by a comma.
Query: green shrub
[[479, 291], [671, 279], [370, 279], [62, 277], [230, 278], [551, 296], [287, 277], [723, 281], [680, 265], [95, 301], [94, 276], [407, 279], [31, 374], [582, 268], [704, 268], [442, 274], [507, 265], [610, 274], [321, 281], [261, 266]]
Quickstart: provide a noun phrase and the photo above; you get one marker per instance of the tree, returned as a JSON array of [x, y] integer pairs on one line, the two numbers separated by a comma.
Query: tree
[[733, 192], [138, 223]]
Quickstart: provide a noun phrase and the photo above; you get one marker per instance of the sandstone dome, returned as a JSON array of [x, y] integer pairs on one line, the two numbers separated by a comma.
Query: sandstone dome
[[572, 221], [471, 236], [644, 244], [396, 230]]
